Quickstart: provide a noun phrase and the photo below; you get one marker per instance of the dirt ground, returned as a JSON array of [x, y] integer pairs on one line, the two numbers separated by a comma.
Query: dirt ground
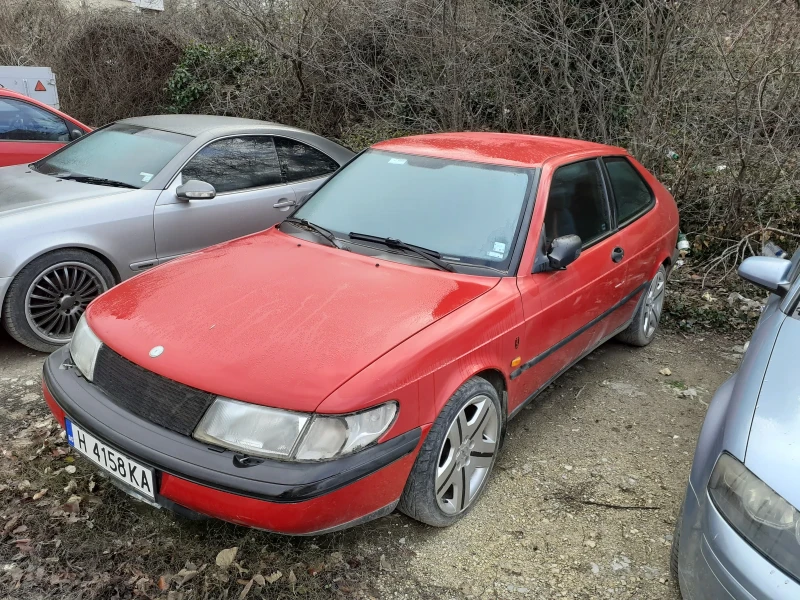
[[582, 504]]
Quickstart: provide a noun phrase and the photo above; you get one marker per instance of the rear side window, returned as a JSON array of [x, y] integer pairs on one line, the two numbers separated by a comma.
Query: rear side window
[[300, 161], [23, 122], [577, 204], [632, 196], [236, 163]]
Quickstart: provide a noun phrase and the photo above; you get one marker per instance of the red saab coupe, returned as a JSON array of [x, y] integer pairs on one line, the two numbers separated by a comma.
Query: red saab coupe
[[368, 352]]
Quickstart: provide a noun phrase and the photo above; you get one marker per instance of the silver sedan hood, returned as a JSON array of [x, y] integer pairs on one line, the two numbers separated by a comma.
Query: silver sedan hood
[[22, 188], [773, 450]]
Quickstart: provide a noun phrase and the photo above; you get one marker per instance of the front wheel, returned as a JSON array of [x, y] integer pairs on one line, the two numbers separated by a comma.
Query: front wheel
[[645, 321], [48, 297], [457, 457]]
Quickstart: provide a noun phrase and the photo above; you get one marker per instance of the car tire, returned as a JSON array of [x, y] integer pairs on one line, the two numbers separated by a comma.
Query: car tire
[[435, 492], [643, 327], [675, 550], [66, 281]]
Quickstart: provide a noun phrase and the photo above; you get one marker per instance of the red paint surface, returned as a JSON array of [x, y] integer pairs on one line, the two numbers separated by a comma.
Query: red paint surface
[[20, 152], [276, 321], [270, 320], [336, 508], [53, 405], [494, 148]]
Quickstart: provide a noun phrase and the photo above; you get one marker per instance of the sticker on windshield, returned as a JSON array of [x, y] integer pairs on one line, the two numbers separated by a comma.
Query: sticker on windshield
[[500, 247], [146, 177], [494, 254], [397, 161]]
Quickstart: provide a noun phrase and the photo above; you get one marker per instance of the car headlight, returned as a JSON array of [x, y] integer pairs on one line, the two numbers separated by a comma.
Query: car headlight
[[83, 348], [757, 513], [270, 432]]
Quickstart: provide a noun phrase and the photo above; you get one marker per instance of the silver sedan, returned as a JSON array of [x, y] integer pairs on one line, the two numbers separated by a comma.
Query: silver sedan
[[135, 194]]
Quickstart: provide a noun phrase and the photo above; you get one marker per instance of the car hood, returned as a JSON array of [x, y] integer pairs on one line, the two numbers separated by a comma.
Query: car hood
[[274, 320], [773, 449], [21, 188]]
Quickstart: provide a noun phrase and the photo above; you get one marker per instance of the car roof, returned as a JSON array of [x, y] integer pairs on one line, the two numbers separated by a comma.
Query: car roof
[[513, 149], [196, 125], [13, 94]]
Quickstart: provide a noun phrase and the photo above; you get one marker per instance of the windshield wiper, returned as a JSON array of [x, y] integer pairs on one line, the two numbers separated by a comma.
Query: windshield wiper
[[430, 255], [316, 229], [95, 180]]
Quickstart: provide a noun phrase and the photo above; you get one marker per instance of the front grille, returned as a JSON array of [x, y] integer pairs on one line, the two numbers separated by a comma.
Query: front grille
[[152, 397]]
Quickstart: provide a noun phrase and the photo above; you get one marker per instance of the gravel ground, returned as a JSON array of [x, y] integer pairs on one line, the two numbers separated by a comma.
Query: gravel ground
[[582, 504]]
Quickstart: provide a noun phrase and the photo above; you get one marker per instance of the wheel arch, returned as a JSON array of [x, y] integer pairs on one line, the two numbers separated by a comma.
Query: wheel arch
[[664, 260], [498, 381], [73, 246], [449, 380]]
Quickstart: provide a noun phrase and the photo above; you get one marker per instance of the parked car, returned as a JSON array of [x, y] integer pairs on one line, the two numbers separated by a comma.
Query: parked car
[[137, 193], [738, 534], [368, 351], [30, 130]]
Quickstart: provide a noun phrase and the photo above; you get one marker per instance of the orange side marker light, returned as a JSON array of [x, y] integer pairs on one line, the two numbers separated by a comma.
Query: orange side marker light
[[516, 361]]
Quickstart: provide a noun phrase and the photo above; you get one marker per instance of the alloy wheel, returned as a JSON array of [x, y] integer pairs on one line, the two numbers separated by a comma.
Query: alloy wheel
[[59, 296], [467, 455], [654, 303]]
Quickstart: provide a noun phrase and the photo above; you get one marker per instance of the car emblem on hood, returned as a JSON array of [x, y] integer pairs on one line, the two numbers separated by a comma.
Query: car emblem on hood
[[157, 351]]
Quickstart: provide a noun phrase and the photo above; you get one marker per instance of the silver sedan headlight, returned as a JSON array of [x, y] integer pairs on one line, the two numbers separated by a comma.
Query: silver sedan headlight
[[757, 513], [83, 348], [270, 432]]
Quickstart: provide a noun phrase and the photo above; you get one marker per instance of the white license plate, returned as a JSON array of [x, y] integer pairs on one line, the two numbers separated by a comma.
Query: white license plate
[[111, 460]]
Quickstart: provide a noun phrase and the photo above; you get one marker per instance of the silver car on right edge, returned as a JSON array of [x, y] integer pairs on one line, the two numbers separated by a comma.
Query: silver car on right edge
[[738, 534]]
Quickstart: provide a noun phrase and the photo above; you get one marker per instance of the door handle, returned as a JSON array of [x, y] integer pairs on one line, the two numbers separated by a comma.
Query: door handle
[[617, 254], [284, 203]]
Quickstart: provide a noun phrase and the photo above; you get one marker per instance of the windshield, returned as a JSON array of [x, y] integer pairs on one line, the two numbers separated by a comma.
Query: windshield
[[468, 212], [129, 154]]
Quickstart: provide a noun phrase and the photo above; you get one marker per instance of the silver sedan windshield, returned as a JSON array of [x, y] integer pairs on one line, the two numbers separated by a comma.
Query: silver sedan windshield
[[124, 153]]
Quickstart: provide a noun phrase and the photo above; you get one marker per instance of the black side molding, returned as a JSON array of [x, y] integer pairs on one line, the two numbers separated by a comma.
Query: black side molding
[[539, 358]]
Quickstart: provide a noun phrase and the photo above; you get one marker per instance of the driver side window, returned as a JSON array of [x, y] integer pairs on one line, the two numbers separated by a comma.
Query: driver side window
[[23, 122], [577, 204], [236, 163]]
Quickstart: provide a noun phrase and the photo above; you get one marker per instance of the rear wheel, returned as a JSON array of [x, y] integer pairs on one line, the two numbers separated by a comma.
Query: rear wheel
[[645, 321], [456, 458], [48, 297]]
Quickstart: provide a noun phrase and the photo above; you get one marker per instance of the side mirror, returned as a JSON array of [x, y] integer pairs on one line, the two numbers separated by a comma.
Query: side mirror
[[771, 274], [564, 250], [194, 189], [74, 134]]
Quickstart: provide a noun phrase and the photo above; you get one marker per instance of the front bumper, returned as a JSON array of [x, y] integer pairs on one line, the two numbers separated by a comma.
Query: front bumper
[[280, 496], [717, 563]]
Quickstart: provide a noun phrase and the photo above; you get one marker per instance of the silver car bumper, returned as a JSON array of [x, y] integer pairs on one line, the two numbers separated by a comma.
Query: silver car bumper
[[717, 563]]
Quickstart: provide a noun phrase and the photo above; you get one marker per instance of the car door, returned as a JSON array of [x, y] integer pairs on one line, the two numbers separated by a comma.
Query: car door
[[28, 132], [246, 174], [304, 167], [640, 232], [566, 311]]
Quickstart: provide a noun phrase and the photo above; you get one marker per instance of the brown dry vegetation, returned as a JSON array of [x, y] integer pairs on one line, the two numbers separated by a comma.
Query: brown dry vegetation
[[716, 81]]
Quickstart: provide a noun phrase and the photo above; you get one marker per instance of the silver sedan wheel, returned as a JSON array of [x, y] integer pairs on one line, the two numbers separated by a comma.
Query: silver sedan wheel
[[58, 297], [467, 455], [653, 304]]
